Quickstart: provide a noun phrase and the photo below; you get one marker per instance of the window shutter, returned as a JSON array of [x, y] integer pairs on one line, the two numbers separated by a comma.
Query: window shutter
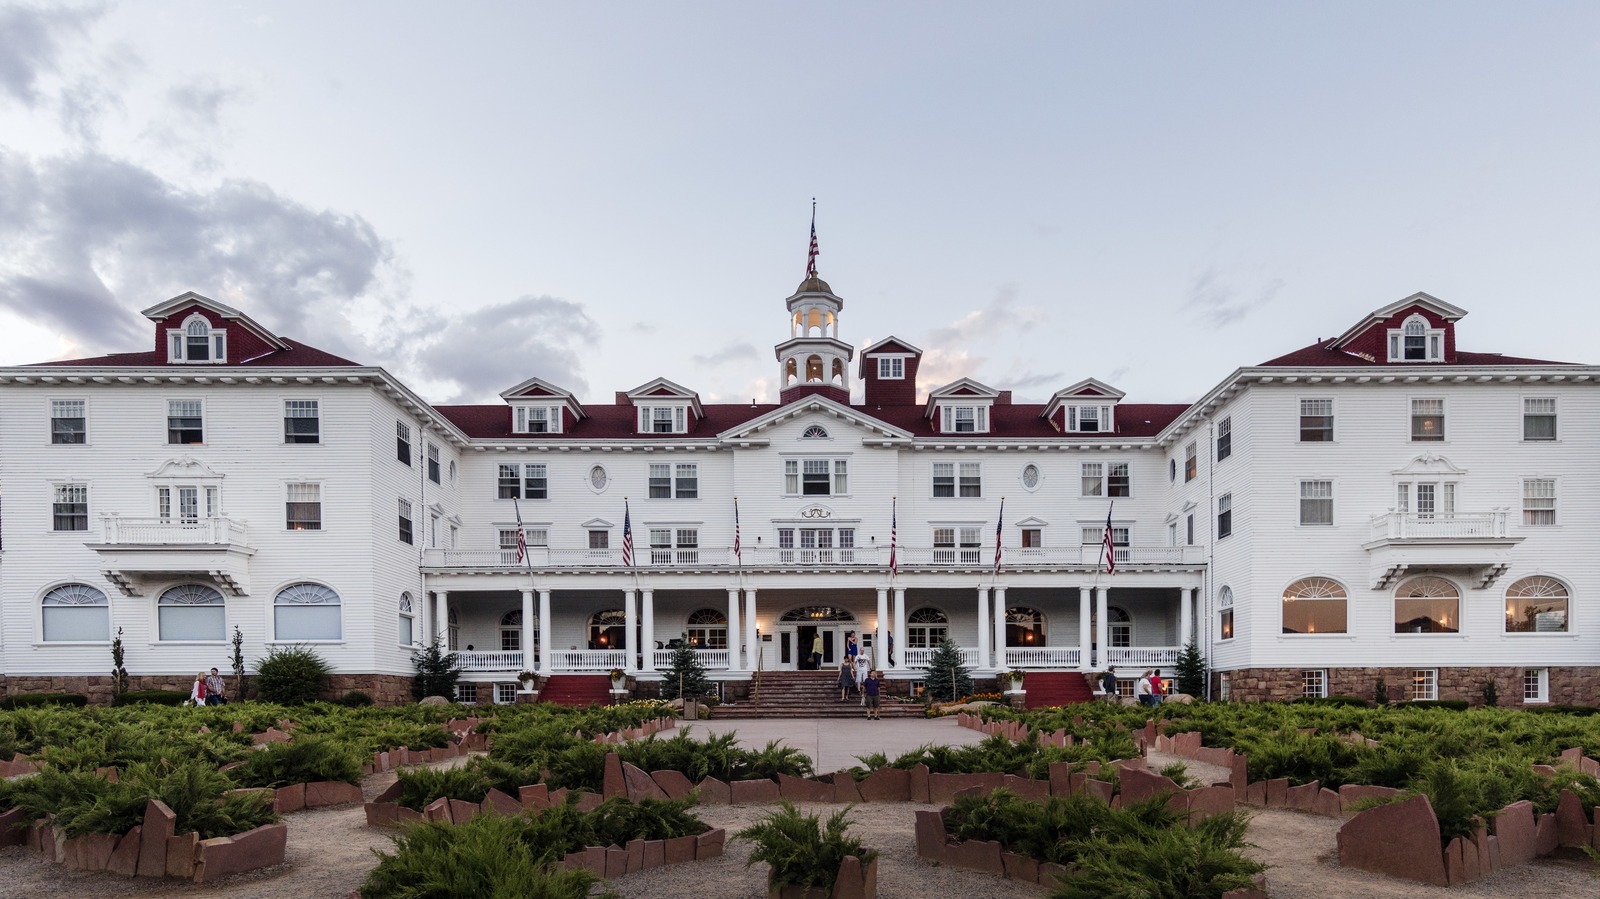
[[644, 419], [522, 420], [1072, 418], [981, 419], [679, 419], [554, 422], [1105, 419]]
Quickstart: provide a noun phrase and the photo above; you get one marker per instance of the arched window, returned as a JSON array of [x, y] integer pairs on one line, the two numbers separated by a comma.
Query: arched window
[[607, 629], [408, 621], [76, 613], [1120, 626], [1315, 605], [197, 340], [1536, 604], [814, 614], [1225, 613], [452, 630], [815, 432], [1427, 605], [191, 612], [1024, 627], [926, 628], [511, 632], [813, 369], [708, 629], [790, 372], [306, 612], [838, 372]]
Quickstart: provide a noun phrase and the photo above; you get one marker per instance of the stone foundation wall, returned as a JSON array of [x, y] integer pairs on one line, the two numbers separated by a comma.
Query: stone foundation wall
[[385, 689], [1567, 686]]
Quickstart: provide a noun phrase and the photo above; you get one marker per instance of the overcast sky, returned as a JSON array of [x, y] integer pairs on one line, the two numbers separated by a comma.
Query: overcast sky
[[470, 194]]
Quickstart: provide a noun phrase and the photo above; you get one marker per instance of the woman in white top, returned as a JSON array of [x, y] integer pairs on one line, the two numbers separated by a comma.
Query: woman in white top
[[1141, 689], [863, 665]]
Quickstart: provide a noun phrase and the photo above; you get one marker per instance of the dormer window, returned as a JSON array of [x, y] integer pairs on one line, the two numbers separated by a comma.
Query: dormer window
[[891, 368], [966, 419], [197, 342], [538, 419], [1089, 419], [1416, 341], [663, 419]]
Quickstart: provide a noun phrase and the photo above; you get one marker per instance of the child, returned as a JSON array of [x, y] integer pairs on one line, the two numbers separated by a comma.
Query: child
[[869, 689]]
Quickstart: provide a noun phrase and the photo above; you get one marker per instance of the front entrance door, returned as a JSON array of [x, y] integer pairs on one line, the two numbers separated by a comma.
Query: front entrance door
[[799, 629]]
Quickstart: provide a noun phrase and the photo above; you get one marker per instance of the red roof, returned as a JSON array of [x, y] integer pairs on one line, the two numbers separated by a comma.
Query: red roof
[[1318, 355], [298, 355]]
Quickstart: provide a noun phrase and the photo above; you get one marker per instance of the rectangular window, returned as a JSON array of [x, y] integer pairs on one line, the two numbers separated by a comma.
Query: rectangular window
[[1117, 481], [405, 522], [1120, 538], [1188, 524], [1539, 418], [841, 477], [68, 422], [1316, 421], [956, 545], [669, 481], [660, 480], [674, 546], [535, 481], [891, 368], [536, 537], [301, 423], [1314, 683], [966, 419], [1224, 515], [664, 419], [466, 692], [971, 479], [1424, 684], [184, 422], [1093, 480], [1427, 420], [1225, 624], [1089, 419], [508, 483], [505, 694], [538, 420], [599, 539], [1316, 502], [944, 479], [304, 507], [1536, 685], [1191, 462], [402, 442], [1032, 538], [70, 509], [1539, 501], [1224, 438], [814, 477], [433, 462]]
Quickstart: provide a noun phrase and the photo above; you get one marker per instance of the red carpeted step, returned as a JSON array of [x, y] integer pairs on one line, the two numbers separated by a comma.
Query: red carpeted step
[[1053, 688], [577, 689]]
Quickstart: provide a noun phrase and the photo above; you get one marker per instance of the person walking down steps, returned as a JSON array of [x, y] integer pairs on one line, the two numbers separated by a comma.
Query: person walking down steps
[[847, 680], [869, 694]]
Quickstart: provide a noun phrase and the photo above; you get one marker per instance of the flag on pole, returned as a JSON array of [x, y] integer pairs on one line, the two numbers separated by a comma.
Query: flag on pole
[[737, 553], [627, 535], [894, 527], [811, 255], [999, 531], [1109, 554], [522, 536]]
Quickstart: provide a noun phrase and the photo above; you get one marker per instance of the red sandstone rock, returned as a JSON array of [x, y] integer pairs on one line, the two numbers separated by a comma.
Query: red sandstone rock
[[710, 843], [1303, 797], [714, 792], [1060, 778], [679, 850], [616, 863], [587, 801], [499, 803], [125, 858], [1028, 788], [802, 789], [290, 799], [1141, 783], [1051, 874], [438, 810], [844, 788], [1098, 789], [942, 788], [12, 823], [1572, 825], [1277, 792], [534, 796], [1397, 840], [1515, 827], [1207, 801], [655, 853], [673, 783], [1353, 793], [930, 835], [382, 814], [159, 824], [181, 851], [593, 859], [1255, 794], [918, 784], [94, 850], [639, 784], [979, 855], [635, 850], [258, 848], [1547, 838], [405, 815], [1020, 867], [1328, 804], [886, 785], [754, 792], [855, 880], [326, 793]]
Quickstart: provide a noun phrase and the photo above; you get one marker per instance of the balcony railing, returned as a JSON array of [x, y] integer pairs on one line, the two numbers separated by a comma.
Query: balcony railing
[[722, 557], [919, 658], [587, 659], [1042, 656], [710, 659], [1143, 656], [1411, 526], [212, 530], [477, 660]]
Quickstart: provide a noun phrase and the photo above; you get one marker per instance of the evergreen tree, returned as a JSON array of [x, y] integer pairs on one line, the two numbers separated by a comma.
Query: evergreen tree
[[685, 676], [948, 678], [437, 672], [1192, 670]]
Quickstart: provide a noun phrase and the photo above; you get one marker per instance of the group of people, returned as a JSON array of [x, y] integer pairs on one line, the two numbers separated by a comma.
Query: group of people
[[857, 678], [208, 689], [1148, 689]]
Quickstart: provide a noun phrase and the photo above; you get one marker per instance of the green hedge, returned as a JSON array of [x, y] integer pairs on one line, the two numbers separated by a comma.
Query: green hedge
[[30, 700], [151, 697]]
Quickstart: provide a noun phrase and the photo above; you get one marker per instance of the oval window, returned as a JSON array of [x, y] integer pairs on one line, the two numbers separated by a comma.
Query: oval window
[[598, 477], [1030, 476], [1172, 470]]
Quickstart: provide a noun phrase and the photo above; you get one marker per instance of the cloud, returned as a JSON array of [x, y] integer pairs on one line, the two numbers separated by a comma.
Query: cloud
[[33, 39], [732, 353], [1028, 381], [489, 349], [1219, 304], [949, 352]]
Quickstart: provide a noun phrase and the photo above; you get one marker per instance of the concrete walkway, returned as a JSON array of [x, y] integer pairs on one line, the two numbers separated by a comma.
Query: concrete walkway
[[834, 743]]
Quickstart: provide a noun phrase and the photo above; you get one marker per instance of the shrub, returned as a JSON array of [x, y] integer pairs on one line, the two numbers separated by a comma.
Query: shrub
[[1380, 692], [26, 700], [1491, 694], [421, 786], [801, 850], [437, 672], [1140, 853], [1040, 830], [1337, 699], [151, 697], [1454, 705], [84, 802], [305, 759], [356, 699], [291, 675], [491, 855]]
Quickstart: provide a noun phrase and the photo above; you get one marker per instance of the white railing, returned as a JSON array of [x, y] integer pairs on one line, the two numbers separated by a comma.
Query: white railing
[[477, 660], [722, 557], [1042, 656], [711, 659], [587, 659], [214, 530], [1144, 656], [919, 658], [1403, 526]]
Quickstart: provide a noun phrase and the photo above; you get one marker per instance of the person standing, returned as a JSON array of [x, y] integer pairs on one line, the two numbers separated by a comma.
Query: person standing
[[863, 668], [847, 679], [1141, 689], [816, 652], [1109, 684], [216, 690], [891, 649], [197, 690], [852, 649], [869, 694], [1158, 688]]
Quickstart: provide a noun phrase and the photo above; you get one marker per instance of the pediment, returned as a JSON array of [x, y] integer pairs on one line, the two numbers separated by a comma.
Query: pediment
[[818, 406], [1429, 464], [893, 346], [964, 387], [174, 310], [596, 524], [1032, 523], [185, 468], [660, 388], [1396, 312]]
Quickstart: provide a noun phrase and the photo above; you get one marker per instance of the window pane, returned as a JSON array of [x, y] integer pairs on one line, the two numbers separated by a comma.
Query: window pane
[[1539, 501], [1314, 616], [1316, 502], [191, 623], [1316, 421], [1427, 420], [1091, 479]]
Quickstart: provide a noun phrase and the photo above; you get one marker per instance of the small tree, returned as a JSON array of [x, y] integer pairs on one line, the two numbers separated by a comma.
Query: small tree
[[1491, 694], [685, 676], [1380, 692], [437, 672], [238, 664], [948, 678], [119, 673], [1192, 671], [292, 675]]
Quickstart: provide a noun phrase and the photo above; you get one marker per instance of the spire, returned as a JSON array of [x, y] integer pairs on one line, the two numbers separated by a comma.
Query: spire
[[811, 255]]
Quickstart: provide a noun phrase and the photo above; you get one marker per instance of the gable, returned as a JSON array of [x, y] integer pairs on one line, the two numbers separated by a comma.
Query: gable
[[816, 409]]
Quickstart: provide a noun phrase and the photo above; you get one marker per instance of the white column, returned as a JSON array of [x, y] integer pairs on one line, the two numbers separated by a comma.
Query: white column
[[880, 642], [899, 628], [734, 634], [752, 645], [1000, 627], [1185, 615], [647, 614], [1102, 627], [528, 622], [441, 619], [546, 639], [630, 631], [983, 628], [1085, 637]]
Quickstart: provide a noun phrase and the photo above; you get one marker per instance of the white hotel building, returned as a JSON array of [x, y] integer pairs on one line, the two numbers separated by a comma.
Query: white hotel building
[[1377, 505]]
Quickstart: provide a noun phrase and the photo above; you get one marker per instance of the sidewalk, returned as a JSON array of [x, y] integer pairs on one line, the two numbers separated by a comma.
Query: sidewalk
[[834, 743]]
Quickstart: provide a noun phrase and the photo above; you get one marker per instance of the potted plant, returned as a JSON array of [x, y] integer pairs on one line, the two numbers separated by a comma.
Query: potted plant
[[524, 679], [1014, 676], [809, 859], [618, 678]]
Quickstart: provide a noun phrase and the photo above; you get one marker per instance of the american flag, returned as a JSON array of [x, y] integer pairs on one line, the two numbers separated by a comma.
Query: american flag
[[522, 537], [894, 527], [811, 256], [999, 530], [627, 535], [737, 553], [1109, 553]]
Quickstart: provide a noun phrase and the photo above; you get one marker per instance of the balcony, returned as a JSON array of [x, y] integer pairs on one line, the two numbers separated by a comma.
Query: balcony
[[1475, 545], [475, 661], [710, 659], [908, 558], [1143, 656], [135, 552]]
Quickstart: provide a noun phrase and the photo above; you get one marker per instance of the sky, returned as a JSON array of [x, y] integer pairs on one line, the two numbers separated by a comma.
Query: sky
[[599, 194]]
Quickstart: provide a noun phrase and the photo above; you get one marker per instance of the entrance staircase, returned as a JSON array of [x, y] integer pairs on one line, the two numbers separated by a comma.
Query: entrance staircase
[[808, 694], [577, 689], [1052, 688]]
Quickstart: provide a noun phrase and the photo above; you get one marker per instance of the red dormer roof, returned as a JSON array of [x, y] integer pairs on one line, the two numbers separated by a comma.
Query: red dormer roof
[[1319, 355], [296, 355]]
